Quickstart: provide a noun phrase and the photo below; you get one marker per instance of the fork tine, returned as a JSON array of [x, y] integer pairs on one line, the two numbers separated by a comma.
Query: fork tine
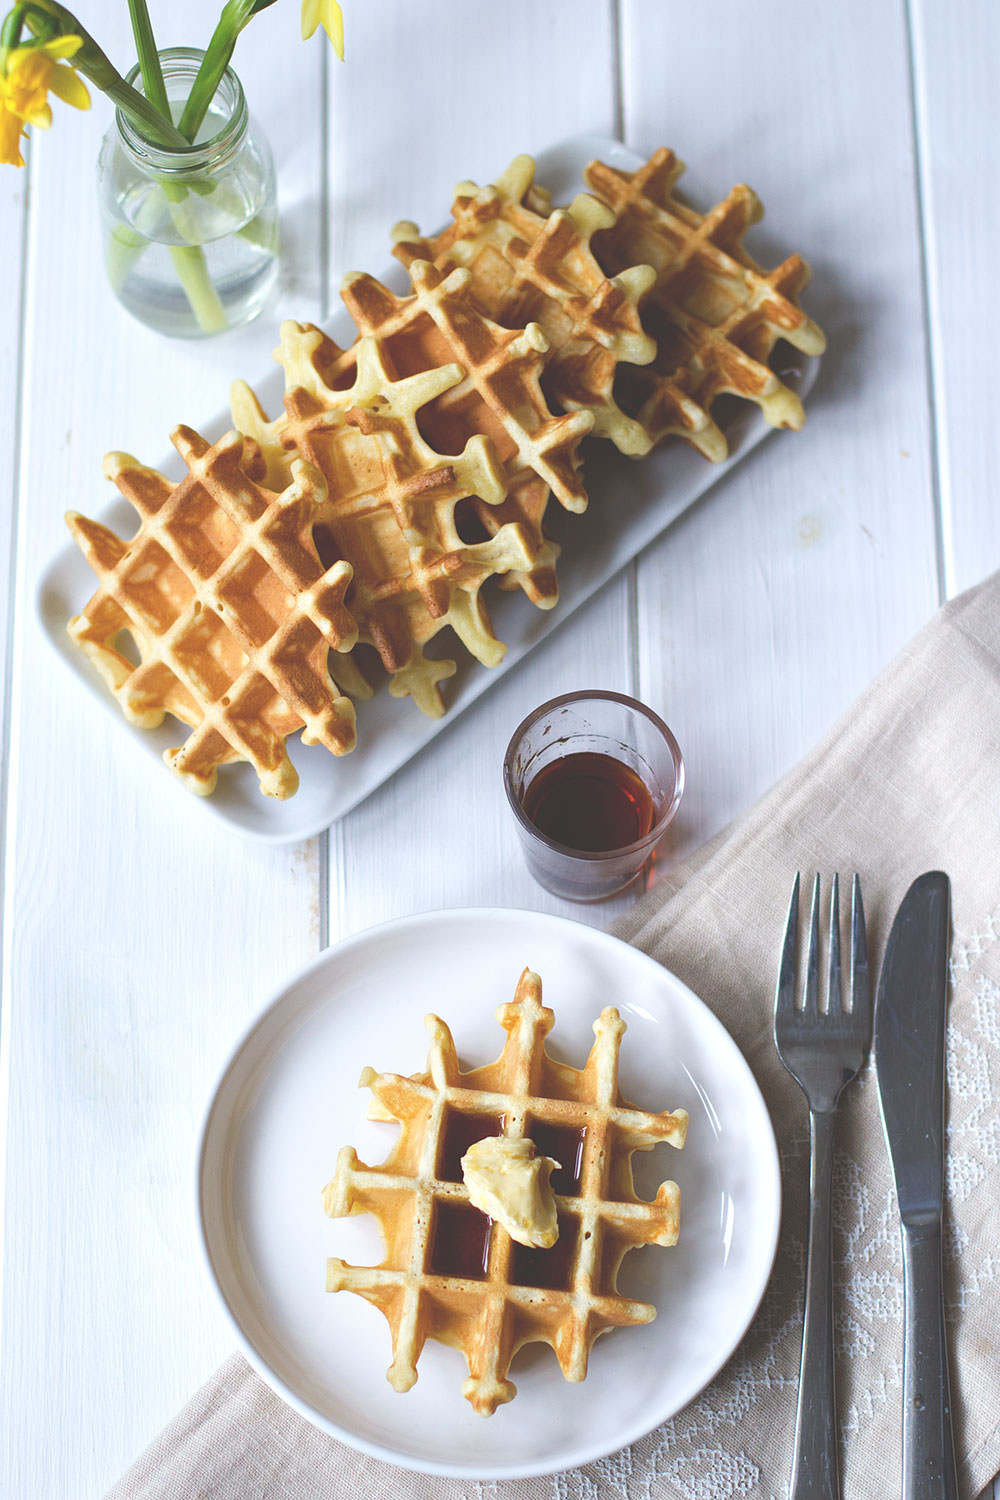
[[784, 995], [835, 998], [861, 990], [810, 998]]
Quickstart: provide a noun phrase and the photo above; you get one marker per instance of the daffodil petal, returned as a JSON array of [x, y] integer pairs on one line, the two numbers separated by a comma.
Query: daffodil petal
[[325, 13], [27, 82], [62, 46], [69, 87], [10, 138], [40, 116], [24, 60]]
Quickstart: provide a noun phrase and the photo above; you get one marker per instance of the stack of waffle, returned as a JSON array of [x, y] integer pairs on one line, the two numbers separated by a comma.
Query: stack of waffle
[[410, 468]]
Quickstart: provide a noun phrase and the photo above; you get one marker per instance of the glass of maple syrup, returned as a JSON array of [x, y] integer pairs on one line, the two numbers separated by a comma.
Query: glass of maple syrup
[[593, 778]]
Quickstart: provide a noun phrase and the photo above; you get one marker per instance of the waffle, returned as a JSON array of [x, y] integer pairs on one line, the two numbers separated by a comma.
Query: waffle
[[715, 314], [529, 263], [454, 1275], [500, 396], [230, 613], [392, 500]]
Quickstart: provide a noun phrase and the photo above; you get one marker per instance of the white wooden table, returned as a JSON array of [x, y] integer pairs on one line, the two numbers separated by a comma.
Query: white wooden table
[[138, 935]]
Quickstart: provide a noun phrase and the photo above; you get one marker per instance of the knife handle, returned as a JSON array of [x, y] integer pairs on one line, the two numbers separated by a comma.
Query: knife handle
[[815, 1461], [928, 1446]]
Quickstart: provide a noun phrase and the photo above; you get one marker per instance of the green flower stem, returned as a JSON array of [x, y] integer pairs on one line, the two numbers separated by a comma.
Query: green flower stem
[[13, 24], [127, 244], [264, 239], [98, 68], [149, 57], [192, 273], [236, 14], [188, 260]]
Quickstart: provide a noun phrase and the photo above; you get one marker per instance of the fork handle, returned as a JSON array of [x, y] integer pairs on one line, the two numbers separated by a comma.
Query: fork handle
[[928, 1447], [816, 1459]]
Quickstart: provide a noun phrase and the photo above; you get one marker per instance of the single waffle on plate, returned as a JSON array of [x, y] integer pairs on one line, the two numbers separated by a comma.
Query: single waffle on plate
[[715, 315], [219, 612], [532, 263], [394, 503], [452, 1274]]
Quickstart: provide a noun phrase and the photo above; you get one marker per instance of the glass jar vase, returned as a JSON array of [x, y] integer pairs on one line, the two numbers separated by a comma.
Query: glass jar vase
[[191, 234]]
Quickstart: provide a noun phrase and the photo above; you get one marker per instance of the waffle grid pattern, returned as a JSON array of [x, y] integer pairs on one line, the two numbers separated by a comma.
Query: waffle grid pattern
[[529, 262], [228, 607], [715, 315], [501, 393], [565, 1296], [501, 396], [392, 501]]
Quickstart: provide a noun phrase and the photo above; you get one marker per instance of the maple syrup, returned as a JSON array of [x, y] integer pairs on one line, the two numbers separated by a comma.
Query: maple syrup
[[564, 1143], [460, 1132], [590, 802], [460, 1242], [547, 1268]]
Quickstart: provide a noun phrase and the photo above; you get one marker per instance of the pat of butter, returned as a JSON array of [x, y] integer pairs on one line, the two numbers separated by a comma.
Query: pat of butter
[[508, 1181]]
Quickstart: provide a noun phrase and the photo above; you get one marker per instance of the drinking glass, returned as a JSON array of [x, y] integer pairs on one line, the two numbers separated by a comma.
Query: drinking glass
[[593, 779]]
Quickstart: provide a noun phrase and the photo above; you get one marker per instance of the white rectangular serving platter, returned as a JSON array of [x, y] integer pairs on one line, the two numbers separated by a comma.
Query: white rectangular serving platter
[[631, 503]]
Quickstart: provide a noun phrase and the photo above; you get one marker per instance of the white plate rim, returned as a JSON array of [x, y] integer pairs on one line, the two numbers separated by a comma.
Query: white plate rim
[[585, 566], [770, 1176]]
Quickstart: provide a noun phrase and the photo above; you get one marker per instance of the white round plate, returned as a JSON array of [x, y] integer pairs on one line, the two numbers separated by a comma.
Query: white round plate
[[288, 1100]]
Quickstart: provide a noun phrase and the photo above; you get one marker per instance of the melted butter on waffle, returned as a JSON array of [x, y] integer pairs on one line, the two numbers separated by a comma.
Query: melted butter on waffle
[[452, 1274]]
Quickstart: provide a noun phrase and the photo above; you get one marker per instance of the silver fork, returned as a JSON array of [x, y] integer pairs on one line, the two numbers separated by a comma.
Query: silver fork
[[823, 1050]]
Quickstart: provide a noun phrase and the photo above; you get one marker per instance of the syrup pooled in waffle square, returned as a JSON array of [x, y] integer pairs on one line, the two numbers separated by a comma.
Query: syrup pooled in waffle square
[[715, 314], [530, 263], [451, 1273], [392, 500], [228, 608]]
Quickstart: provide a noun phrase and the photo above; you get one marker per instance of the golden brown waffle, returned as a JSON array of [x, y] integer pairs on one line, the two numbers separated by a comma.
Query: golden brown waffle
[[454, 1275], [529, 263], [500, 396], [228, 608], [392, 500], [715, 314]]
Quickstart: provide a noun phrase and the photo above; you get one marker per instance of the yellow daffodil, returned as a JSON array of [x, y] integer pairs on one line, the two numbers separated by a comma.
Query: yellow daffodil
[[11, 127], [30, 74], [325, 13]]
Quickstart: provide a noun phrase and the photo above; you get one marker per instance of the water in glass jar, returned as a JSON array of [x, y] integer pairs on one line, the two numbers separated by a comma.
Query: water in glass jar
[[191, 247], [240, 270]]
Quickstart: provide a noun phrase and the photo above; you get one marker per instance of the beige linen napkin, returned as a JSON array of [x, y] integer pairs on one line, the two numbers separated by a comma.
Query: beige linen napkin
[[909, 780]]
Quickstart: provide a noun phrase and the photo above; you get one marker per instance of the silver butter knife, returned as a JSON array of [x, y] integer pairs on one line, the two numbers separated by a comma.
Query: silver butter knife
[[910, 1068]]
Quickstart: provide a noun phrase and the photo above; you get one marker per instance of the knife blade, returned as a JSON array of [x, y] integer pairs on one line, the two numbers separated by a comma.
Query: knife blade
[[909, 1035]]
